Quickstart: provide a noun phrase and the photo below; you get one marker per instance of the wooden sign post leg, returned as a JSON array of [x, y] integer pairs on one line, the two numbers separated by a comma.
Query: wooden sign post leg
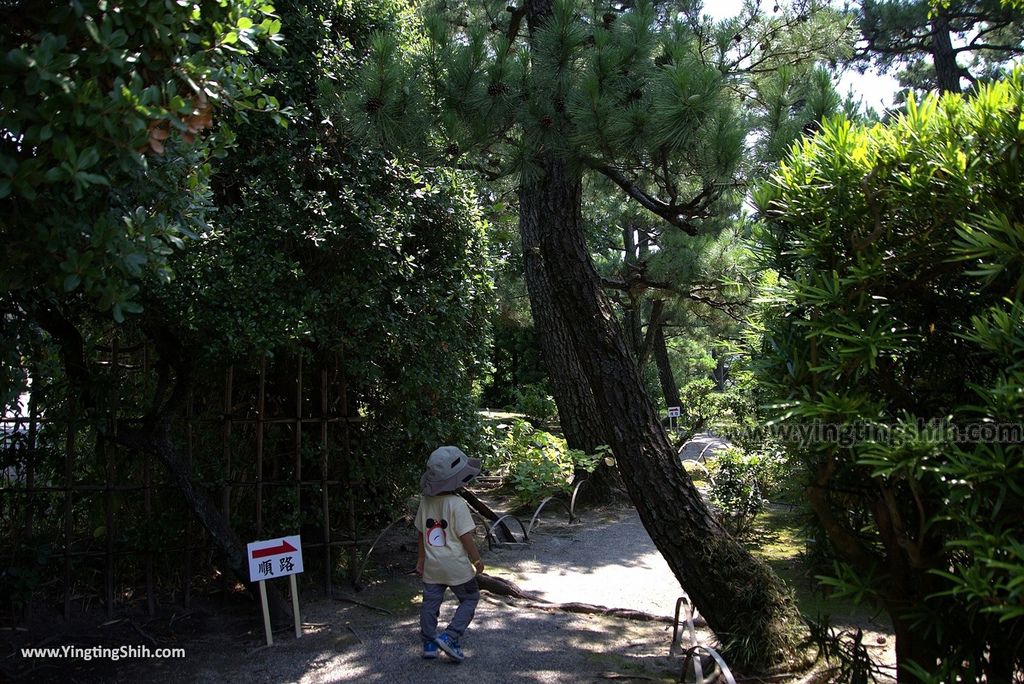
[[266, 612], [295, 607]]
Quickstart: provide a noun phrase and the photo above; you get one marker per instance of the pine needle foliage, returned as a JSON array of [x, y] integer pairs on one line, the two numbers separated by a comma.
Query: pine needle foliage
[[651, 86]]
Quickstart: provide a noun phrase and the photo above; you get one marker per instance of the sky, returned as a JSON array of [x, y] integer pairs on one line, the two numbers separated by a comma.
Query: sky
[[875, 89]]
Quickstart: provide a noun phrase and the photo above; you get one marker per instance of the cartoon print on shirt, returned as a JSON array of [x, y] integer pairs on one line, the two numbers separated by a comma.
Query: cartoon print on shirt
[[436, 535]]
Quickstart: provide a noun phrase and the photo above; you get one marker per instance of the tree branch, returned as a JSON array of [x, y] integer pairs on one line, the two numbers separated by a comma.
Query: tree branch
[[489, 174], [515, 23], [692, 293], [72, 349], [849, 546], [680, 216]]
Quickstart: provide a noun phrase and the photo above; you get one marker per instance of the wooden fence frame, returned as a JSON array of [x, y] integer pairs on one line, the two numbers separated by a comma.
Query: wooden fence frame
[[323, 427]]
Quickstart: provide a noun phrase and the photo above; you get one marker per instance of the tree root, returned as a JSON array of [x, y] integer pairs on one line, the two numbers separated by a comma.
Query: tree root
[[503, 587]]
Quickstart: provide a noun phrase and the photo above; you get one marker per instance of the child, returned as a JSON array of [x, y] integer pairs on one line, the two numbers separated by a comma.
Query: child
[[448, 556]]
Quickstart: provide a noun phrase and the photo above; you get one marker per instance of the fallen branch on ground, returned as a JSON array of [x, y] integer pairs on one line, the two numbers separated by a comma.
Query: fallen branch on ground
[[349, 599]]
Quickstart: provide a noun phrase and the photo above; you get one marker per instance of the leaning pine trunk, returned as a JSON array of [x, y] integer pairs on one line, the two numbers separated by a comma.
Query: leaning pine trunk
[[746, 605], [947, 71], [578, 416]]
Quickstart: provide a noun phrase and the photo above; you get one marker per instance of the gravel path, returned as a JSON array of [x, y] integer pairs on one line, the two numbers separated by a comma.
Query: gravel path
[[608, 560], [505, 645]]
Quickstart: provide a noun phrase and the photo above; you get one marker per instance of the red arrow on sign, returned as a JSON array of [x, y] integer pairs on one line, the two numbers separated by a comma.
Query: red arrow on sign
[[285, 547]]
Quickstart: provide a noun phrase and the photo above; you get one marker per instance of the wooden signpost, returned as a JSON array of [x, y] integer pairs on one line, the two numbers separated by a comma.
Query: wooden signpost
[[272, 558], [673, 412]]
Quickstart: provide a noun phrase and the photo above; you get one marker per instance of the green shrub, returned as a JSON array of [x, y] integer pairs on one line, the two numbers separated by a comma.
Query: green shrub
[[743, 484], [896, 312], [536, 403], [538, 464]]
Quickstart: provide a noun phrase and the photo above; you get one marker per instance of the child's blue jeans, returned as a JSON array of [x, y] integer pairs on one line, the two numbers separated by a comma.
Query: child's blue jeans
[[433, 595]]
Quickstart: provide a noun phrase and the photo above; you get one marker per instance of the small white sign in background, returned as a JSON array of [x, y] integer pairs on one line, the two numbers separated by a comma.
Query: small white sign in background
[[673, 411]]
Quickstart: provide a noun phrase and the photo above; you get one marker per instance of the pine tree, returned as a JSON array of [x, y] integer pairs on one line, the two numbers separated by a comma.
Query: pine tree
[[661, 278], [937, 45], [645, 95]]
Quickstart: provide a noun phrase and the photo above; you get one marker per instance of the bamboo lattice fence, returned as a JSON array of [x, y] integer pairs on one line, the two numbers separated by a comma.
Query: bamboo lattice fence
[[82, 518]]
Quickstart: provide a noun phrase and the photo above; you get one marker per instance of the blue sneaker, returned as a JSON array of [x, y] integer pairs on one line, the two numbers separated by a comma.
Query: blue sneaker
[[450, 646], [429, 650]]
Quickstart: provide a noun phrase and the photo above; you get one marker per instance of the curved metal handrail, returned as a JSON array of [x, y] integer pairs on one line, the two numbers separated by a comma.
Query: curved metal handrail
[[560, 501], [492, 540], [691, 655], [572, 502], [362, 565], [703, 451], [689, 624]]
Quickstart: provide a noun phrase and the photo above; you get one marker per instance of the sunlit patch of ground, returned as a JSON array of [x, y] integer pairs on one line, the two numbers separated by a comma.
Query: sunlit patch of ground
[[777, 539]]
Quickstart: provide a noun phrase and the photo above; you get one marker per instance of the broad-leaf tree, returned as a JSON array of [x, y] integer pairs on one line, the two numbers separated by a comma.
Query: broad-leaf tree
[[331, 250], [108, 124], [129, 209], [105, 137]]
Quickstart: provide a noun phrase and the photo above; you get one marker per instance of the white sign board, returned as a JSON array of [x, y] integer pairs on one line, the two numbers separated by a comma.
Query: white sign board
[[272, 558], [673, 411]]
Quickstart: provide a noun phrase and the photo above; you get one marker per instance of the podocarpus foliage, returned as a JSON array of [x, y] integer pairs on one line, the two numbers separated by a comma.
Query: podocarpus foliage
[[646, 96], [898, 317]]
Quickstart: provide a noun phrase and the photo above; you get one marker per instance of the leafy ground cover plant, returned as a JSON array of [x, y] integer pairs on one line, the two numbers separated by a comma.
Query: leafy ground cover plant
[[538, 464]]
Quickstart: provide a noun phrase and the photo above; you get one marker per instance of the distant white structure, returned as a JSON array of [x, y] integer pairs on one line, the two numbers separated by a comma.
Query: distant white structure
[[9, 427], [701, 447]]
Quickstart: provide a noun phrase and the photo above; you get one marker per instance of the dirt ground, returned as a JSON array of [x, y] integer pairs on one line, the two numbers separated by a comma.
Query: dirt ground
[[608, 560]]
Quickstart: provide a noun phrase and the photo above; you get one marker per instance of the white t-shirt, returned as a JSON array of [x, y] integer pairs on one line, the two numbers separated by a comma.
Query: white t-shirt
[[442, 520]]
